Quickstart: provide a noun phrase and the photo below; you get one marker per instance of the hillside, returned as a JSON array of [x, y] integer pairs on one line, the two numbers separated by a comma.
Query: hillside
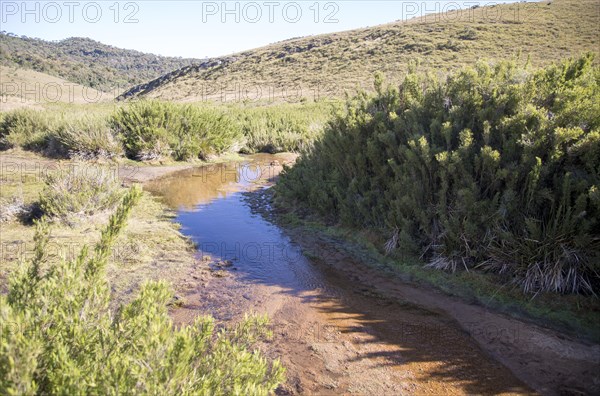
[[85, 61], [327, 65], [31, 89]]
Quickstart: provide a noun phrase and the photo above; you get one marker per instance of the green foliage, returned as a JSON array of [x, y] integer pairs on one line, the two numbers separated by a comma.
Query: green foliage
[[496, 168], [58, 335], [150, 130], [25, 128], [86, 62], [153, 129], [85, 138], [59, 133], [80, 190], [281, 128]]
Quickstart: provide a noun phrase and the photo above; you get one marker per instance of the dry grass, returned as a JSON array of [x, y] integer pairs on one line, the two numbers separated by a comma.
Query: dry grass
[[327, 65], [151, 247], [31, 89], [80, 191]]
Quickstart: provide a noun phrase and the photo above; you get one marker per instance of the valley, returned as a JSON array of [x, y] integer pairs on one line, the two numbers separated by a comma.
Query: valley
[[406, 208]]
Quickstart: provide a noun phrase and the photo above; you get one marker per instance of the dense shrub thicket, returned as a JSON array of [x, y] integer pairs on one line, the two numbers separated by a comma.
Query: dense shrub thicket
[[150, 130], [495, 168], [58, 335], [155, 129]]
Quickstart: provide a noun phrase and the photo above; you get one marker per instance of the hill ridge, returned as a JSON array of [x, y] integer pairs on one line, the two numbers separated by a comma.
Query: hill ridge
[[86, 61], [333, 63]]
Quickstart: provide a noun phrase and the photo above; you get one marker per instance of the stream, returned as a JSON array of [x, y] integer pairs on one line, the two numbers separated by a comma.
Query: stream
[[333, 334]]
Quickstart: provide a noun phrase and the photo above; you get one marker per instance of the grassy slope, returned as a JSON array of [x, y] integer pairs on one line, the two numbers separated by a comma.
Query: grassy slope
[[333, 63], [86, 62], [150, 247], [19, 88]]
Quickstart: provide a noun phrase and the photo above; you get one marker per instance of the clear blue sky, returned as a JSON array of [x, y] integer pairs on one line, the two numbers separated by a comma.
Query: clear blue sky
[[200, 29]]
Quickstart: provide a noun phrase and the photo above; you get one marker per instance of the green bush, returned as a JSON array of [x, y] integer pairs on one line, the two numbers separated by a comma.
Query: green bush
[[153, 129], [25, 128], [497, 168], [282, 128], [85, 138], [58, 335], [80, 190]]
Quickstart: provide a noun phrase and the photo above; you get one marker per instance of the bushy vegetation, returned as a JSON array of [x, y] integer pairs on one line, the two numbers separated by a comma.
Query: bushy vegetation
[[86, 138], [282, 128], [25, 128], [153, 129], [86, 62], [496, 168], [59, 336], [81, 190]]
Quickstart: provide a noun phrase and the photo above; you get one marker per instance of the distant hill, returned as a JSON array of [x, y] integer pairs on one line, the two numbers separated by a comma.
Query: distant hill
[[85, 61], [329, 64], [29, 88]]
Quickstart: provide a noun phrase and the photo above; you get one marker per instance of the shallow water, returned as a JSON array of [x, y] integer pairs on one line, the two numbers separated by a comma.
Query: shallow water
[[187, 190], [333, 334], [215, 214]]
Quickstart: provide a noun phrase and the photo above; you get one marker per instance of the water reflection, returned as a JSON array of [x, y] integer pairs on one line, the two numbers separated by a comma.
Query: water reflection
[[188, 189], [215, 214]]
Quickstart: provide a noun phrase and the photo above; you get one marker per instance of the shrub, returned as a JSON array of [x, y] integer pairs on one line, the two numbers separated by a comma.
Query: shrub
[[203, 131], [496, 168], [143, 128], [25, 128], [85, 138], [153, 129], [80, 190], [468, 33], [64, 339], [282, 128]]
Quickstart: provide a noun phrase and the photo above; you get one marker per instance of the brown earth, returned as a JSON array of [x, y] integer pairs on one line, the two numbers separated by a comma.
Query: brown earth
[[359, 330], [356, 329]]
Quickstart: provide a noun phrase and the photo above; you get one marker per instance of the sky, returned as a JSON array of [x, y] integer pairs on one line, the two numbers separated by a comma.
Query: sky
[[201, 29]]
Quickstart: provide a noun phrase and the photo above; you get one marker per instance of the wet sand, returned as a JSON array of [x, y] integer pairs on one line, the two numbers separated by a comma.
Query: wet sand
[[341, 327]]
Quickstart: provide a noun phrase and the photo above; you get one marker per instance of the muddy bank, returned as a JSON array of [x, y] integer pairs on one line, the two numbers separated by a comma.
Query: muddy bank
[[340, 326], [546, 360], [334, 334]]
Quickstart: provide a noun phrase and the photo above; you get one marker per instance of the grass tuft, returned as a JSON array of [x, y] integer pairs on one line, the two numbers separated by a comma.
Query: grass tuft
[[81, 190], [86, 139]]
